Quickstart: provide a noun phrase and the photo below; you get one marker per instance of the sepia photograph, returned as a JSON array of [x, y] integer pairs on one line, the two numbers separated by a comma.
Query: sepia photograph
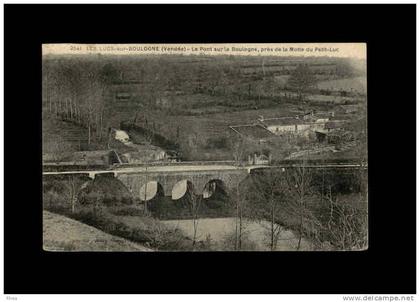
[[204, 147], [192, 151]]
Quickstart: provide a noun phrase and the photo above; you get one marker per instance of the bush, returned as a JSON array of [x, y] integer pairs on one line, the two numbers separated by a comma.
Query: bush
[[217, 143], [127, 210], [108, 190], [149, 232], [228, 243], [165, 208], [54, 198]]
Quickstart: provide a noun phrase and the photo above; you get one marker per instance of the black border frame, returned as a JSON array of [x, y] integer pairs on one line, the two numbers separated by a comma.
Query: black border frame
[[388, 266]]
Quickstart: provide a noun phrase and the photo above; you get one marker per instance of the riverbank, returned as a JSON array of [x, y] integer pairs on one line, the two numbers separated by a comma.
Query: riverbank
[[256, 235], [61, 233]]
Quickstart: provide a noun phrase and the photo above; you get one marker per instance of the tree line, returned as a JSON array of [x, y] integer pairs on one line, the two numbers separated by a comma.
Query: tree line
[[76, 92], [329, 212]]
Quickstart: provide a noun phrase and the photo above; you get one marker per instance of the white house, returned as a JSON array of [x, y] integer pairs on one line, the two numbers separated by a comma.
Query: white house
[[280, 125], [291, 125]]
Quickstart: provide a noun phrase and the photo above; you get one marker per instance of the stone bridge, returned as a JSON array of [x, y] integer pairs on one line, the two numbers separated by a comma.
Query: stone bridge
[[145, 182], [174, 183]]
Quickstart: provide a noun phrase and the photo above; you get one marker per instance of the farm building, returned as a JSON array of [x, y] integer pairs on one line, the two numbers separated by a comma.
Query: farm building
[[334, 125], [321, 136], [258, 159], [280, 125], [289, 125], [334, 134], [339, 136]]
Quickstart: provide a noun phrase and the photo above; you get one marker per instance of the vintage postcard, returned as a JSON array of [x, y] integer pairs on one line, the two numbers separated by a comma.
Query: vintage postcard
[[204, 147]]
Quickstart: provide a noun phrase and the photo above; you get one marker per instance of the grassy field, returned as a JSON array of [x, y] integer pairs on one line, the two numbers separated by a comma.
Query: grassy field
[[194, 120], [61, 138], [58, 135], [189, 100], [197, 133], [357, 84], [64, 234]]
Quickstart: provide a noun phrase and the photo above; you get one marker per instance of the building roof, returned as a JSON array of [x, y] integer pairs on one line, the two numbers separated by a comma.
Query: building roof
[[289, 121], [333, 124], [253, 131], [280, 121]]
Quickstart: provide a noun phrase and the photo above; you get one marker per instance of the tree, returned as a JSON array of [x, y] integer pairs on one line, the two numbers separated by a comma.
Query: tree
[[301, 79], [71, 189], [346, 226], [344, 69], [343, 223], [242, 211], [299, 181], [267, 193], [194, 205], [238, 150], [93, 104]]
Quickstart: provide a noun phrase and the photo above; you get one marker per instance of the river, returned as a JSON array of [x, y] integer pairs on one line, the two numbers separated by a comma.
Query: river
[[256, 234]]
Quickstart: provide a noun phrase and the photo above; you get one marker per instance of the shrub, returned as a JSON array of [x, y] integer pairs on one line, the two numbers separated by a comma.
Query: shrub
[[149, 231], [127, 210], [228, 243], [217, 143]]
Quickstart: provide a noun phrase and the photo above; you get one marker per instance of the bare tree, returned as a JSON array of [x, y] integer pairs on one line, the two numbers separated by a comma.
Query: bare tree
[[194, 204], [301, 79], [238, 150], [300, 189], [268, 194], [333, 220], [148, 135], [346, 227], [71, 189], [242, 215]]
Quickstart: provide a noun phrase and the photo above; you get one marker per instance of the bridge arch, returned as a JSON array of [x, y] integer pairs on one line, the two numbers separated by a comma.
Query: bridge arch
[[182, 188], [150, 190], [213, 188], [215, 193]]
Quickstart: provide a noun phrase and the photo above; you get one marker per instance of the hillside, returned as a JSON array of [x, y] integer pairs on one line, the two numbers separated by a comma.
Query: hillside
[[61, 138], [64, 234]]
